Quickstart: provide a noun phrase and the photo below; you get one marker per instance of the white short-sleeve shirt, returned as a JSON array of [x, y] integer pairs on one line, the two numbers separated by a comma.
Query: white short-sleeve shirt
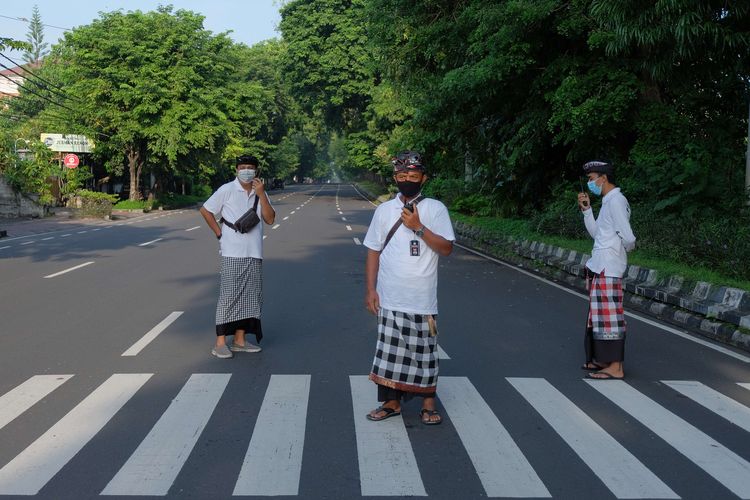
[[408, 283], [230, 202]]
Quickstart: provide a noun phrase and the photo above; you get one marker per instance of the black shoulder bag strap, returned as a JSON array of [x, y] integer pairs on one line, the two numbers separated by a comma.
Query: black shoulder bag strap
[[398, 223], [230, 224]]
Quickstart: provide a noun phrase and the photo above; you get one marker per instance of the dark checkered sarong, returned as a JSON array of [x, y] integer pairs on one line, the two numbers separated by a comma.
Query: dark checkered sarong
[[606, 313], [406, 357], [240, 295]]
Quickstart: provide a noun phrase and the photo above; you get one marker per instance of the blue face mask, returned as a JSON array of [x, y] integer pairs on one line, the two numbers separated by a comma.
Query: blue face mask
[[246, 175], [594, 187]]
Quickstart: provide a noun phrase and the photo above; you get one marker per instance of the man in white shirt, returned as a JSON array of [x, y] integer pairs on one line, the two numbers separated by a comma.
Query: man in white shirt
[[613, 238], [401, 275], [241, 249]]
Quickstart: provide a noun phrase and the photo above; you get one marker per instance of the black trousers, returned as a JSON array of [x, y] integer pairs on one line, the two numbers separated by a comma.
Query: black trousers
[[388, 394], [603, 351]]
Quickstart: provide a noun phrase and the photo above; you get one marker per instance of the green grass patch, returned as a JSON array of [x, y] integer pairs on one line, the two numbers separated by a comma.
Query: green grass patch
[[373, 188], [520, 229], [132, 205]]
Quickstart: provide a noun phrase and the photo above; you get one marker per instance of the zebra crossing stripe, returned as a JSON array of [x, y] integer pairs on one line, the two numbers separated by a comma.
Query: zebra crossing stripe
[[616, 467], [29, 471], [442, 354], [273, 461], [722, 464], [387, 465], [501, 466], [742, 384], [26, 395], [154, 465], [715, 401]]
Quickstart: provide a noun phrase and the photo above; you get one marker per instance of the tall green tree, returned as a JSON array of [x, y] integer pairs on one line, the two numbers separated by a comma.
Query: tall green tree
[[35, 37], [153, 88]]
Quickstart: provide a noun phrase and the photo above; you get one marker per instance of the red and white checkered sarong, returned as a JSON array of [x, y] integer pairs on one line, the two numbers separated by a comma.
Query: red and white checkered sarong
[[606, 313]]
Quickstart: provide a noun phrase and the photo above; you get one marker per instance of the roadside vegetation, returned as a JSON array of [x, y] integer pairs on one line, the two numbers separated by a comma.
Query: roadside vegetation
[[505, 99]]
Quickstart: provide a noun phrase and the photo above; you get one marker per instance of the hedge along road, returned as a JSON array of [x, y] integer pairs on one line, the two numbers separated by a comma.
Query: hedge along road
[[519, 419]]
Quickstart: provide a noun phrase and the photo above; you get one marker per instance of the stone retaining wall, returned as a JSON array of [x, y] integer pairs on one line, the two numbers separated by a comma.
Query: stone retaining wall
[[13, 204]]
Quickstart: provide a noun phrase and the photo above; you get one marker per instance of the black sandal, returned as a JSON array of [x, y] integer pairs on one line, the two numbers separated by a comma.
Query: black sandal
[[430, 413], [389, 412], [591, 367]]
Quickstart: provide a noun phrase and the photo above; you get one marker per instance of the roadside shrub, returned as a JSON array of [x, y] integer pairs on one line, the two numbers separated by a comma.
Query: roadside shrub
[[473, 204], [561, 216], [94, 203], [445, 190], [132, 205], [172, 200]]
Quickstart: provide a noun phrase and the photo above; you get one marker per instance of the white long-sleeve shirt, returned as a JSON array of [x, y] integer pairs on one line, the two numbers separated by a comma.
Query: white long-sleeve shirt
[[612, 234]]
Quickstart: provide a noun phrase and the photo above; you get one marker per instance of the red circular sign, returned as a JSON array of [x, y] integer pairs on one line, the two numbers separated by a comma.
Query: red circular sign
[[70, 160]]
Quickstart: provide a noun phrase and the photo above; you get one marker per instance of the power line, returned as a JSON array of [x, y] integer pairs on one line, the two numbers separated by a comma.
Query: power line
[[37, 94], [43, 87], [27, 70], [24, 20]]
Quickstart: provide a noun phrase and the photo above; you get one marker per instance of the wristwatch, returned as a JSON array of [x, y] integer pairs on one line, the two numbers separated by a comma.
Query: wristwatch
[[420, 232]]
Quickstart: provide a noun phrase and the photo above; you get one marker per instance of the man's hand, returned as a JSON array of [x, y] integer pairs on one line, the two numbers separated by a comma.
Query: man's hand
[[258, 186], [372, 302], [411, 219], [584, 203]]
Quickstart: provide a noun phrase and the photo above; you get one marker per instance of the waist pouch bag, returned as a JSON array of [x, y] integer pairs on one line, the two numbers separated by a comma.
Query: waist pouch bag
[[247, 221]]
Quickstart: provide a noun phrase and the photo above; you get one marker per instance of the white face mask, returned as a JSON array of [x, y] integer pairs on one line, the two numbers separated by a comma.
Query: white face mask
[[246, 175]]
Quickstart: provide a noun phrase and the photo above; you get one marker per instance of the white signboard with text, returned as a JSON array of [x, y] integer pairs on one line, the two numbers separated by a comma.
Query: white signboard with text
[[68, 143]]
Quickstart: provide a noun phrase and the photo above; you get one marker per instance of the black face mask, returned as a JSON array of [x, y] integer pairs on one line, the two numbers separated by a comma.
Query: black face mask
[[409, 188]]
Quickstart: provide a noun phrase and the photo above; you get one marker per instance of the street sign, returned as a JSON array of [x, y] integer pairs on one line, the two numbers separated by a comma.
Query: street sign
[[68, 143], [70, 160]]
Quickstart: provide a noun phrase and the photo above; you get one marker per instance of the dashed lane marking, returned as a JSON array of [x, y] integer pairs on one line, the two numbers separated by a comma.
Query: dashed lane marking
[[79, 266], [149, 242], [152, 334]]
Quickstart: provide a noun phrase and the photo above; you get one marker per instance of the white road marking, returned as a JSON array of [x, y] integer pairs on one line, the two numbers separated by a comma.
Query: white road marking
[[348, 228], [192, 228], [82, 232], [48, 238], [129, 222], [671, 330], [149, 242], [26, 395], [152, 334], [357, 242], [27, 243], [293, 212], [713, 400], [722, 464], [6, 246], [501, 466], [343, 219], [387, 465], [285, 218], [30, 470], [742, 384], [277, 225], [65, 235], [442, 354], [265, 236], [616, 467], [70, 269], [273, 461], [97, 229], [154, 465]]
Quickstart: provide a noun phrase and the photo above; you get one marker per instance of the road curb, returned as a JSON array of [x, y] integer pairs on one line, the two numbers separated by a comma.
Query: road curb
[[641, 286]]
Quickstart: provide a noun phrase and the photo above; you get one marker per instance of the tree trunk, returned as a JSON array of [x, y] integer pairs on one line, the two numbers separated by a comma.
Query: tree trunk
[[468, 167], [135, 165]]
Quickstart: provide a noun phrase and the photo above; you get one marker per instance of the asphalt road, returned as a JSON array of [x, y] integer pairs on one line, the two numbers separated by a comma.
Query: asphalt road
[[107, 385]]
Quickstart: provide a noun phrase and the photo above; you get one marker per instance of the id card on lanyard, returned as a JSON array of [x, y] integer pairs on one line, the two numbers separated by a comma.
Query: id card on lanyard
[[414, 248]]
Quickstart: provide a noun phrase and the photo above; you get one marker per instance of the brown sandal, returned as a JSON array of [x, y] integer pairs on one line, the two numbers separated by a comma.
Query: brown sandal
[[430, 413]]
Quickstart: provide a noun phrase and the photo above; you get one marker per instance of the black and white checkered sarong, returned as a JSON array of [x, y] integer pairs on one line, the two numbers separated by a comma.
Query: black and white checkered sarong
[[240, 289], [406, 357]]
